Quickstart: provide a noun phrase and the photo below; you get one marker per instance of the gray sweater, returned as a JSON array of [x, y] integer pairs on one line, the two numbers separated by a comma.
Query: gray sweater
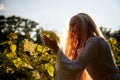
[[96, 58]]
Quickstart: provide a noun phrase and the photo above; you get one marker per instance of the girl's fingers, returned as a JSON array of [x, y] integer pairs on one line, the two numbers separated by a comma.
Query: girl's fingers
[[45, 37], [48, 42]]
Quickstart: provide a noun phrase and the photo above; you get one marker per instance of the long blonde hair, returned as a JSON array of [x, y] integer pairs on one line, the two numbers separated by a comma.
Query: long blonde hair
[[86, 27]]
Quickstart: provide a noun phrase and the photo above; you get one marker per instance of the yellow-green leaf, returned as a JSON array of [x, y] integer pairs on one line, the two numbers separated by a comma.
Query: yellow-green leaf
[[17, 62], [39, 48], [13, 47], [50, 69], [11, 55]]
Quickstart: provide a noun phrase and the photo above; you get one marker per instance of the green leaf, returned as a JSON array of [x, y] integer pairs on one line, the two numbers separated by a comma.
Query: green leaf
[[25, 58], [50, 69], [39, 48], [17, 62], [13, 47]]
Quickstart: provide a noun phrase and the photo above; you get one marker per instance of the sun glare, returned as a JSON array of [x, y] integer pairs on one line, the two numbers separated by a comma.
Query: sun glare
[[63, 38]]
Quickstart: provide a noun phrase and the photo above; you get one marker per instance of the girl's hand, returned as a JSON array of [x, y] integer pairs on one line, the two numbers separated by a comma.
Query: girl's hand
[[50, 43]]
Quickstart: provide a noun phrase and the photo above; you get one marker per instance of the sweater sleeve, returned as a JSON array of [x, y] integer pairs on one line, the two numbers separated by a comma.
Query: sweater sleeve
[[89, 53]]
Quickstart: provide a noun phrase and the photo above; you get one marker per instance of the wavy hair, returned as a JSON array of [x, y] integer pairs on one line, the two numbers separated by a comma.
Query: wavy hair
[[86, 27]]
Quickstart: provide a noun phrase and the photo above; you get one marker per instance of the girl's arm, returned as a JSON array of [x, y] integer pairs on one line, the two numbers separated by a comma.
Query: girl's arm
[[89, 53]]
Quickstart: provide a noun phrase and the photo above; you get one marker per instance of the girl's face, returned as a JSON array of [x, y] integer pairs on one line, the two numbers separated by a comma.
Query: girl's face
[[75, 27]]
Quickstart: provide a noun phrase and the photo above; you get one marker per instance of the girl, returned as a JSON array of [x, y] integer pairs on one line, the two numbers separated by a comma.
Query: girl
[[86, 50]]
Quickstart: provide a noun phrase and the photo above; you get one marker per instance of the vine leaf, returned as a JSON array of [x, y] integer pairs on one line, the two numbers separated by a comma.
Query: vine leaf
[[50, 69], [13, 47]]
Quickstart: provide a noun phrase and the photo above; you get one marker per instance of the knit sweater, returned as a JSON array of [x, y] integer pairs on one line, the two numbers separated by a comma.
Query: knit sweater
[[96, 58]]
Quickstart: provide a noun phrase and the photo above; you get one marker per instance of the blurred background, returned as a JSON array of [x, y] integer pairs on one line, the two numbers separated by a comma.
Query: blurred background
[[24, 22]]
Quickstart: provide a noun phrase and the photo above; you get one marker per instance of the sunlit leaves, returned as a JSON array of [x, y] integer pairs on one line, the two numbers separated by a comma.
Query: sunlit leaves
[[45, 56], [13, 47], [39, 48], [9, 42], [11, 55], [41, 55], [35, 75], [17, 62], [116, 50], [9, 69], [25, 57], [12, 36], [113, 41], [36, 60], [50, 69], [29, 46]]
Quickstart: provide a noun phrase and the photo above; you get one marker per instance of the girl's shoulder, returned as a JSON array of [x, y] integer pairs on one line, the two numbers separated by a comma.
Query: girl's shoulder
[[96, 40]]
